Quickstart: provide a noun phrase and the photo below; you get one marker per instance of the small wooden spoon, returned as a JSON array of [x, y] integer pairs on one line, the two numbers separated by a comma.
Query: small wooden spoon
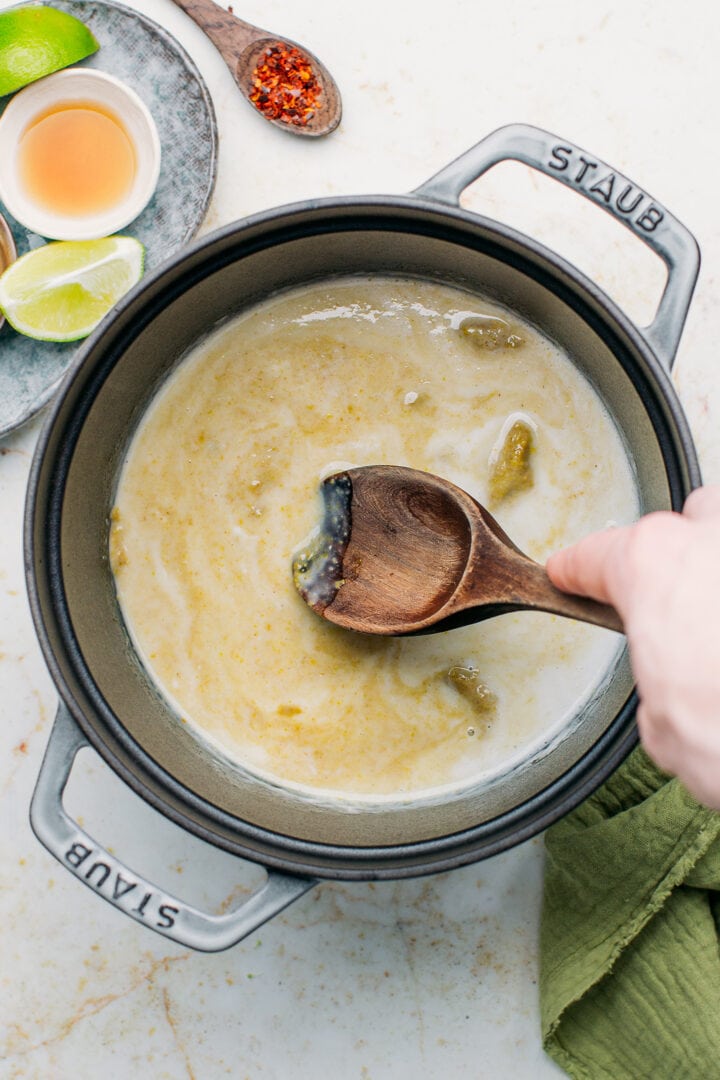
[[241, 46], [403, 552], [8, 254]]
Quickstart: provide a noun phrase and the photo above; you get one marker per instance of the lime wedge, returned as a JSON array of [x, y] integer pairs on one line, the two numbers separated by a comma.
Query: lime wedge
[[35, 41], [60, 292]]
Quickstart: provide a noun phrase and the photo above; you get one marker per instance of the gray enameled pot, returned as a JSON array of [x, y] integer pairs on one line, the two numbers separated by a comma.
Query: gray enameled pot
[[108, 702]]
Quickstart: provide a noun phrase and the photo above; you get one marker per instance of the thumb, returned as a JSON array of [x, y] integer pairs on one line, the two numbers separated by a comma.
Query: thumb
[[587, 568]]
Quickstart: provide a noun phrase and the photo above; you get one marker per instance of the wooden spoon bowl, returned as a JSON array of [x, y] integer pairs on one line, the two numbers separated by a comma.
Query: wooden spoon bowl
[[412, 553]]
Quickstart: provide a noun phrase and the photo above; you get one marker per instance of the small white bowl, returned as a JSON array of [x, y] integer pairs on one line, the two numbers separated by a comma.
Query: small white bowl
[[85, 85]]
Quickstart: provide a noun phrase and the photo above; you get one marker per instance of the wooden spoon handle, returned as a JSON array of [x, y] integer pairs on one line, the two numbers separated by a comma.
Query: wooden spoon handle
[[589, 611], [501, 576], [230, 35], [541, 595]]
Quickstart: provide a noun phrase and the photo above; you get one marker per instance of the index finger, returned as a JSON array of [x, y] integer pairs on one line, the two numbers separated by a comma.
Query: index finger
[[703, 502], [586, 568]]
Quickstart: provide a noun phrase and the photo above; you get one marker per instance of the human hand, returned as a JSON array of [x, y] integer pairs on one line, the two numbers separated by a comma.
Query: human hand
[[663, 577]]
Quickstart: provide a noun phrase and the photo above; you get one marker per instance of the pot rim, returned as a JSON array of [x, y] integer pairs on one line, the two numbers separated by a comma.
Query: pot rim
[[120, 751]]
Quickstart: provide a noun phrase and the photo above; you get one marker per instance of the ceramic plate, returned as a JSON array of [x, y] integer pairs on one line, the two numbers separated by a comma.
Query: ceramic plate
[[141, 53]]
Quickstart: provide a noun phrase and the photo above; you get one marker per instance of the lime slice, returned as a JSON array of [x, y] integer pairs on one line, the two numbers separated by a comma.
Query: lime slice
[[60, 292], [36, 41]]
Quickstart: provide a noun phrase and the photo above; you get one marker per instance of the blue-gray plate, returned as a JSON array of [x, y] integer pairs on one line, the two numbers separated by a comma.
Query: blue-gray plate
[[145, 56]]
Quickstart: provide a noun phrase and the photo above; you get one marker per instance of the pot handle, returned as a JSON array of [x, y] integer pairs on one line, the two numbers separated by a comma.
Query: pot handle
[[129, 892], [591, 177]]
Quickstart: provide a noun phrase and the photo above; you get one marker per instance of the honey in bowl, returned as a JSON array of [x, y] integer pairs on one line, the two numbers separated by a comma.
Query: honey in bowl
[[77, 158]]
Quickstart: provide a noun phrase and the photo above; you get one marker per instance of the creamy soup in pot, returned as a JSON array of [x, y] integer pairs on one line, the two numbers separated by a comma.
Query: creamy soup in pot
[[218, 491]]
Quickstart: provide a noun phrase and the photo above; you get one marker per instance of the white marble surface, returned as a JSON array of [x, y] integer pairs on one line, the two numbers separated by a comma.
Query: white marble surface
[[433, 978]]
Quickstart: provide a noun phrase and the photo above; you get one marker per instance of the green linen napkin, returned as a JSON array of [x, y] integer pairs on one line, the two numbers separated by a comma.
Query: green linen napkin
[[630, 939]]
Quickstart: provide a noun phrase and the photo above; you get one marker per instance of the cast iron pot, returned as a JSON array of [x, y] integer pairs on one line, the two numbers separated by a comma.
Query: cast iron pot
[[107, 700]]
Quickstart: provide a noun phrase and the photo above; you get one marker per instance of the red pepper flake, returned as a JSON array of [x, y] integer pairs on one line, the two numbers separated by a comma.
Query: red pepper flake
[[285, 86]]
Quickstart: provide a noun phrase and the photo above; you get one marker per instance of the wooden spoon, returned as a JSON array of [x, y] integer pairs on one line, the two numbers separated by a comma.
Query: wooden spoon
[[8, 254], [241, 46], [402, 552]]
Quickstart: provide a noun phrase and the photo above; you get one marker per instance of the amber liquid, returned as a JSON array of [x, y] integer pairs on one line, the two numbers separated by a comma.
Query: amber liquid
[[77, 159]]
